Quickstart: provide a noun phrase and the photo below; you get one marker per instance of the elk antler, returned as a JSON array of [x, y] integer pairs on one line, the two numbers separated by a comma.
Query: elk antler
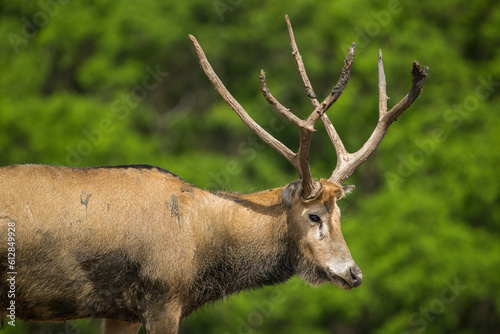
[[299, 160], [346, 162]]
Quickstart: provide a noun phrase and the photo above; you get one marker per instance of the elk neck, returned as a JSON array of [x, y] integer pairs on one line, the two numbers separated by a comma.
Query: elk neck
[[242, 242]]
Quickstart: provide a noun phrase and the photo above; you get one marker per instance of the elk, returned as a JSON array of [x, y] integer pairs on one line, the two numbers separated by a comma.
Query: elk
[[136, 245]]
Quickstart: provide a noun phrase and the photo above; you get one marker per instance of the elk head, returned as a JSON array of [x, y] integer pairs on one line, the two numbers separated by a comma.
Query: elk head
[[311, 205]]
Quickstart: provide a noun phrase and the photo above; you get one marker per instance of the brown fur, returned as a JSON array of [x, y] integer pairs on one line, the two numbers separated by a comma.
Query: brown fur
[[138, 245]]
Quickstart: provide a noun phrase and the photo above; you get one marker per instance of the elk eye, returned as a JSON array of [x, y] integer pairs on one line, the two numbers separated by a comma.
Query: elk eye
[[315, 218]]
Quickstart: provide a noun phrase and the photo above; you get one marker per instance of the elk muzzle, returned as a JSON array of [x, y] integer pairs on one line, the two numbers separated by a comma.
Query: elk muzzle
[[346, 275]]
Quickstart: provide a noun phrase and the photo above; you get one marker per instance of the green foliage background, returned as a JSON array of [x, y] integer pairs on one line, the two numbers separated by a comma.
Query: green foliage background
[[424, 222]]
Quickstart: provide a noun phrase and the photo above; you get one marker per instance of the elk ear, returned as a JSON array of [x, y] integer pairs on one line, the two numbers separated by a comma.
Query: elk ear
[[346, 189], [292, 193]]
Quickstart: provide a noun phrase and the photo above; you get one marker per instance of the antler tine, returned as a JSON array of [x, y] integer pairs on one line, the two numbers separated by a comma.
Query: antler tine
[[382, 90], [345, 75], [348, 162], [300, 65], [281, 109]]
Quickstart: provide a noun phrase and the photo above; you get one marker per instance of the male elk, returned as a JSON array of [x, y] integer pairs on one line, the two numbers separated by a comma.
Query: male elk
[[138, 245]]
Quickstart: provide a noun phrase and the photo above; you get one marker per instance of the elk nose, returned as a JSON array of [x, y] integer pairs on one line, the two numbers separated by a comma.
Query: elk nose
[[356, 276]]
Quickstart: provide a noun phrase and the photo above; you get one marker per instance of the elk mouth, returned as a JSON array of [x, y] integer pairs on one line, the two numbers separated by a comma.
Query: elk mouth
[[350, 278], [339, 281]]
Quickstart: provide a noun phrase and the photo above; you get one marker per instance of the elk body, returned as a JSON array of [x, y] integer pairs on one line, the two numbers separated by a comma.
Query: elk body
[[136, 245]]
